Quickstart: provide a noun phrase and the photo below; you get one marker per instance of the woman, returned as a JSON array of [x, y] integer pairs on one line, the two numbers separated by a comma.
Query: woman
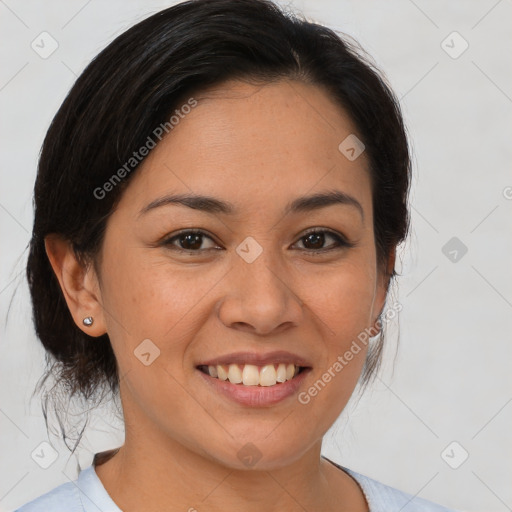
[[217, 208]]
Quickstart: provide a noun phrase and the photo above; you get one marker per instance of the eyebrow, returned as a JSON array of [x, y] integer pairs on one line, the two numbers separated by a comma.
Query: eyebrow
[[212, 205]]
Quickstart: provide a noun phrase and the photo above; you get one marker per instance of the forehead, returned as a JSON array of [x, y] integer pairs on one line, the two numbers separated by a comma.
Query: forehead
[[254, 144]]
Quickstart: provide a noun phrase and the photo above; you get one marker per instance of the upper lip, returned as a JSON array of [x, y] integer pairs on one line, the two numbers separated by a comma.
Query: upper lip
[[276, 357]]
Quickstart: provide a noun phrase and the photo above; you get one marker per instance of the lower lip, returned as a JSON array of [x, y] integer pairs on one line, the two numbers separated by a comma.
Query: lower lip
[[256, 396]]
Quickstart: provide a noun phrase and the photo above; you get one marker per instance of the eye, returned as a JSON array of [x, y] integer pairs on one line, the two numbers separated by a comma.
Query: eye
[[315, 239], [189, 241]]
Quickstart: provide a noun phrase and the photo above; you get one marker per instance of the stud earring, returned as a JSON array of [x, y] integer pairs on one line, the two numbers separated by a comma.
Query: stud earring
[[88, 320]]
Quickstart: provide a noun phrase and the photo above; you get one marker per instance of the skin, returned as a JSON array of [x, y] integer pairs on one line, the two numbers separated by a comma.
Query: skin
[[182, 439]]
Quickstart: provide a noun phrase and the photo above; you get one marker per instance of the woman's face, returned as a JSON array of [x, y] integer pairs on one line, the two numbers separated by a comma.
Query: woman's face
[[254, 287]]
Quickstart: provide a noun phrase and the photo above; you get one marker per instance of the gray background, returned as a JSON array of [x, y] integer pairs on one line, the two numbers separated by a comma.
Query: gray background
[[450, 380]]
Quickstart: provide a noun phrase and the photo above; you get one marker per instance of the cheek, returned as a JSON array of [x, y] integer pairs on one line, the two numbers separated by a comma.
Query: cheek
[[147, 296], [343, 300], [149, 299], [342, 307]]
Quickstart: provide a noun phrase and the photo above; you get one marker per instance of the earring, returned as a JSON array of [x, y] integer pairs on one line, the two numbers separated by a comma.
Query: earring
[[88, 320]]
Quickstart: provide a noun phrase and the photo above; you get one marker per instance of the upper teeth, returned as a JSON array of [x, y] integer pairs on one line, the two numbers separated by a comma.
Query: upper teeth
[[252, 375]]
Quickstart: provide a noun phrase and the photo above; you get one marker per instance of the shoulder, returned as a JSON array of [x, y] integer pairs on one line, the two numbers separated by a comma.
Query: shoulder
[[85, 494], [64, 498], [383, 498]]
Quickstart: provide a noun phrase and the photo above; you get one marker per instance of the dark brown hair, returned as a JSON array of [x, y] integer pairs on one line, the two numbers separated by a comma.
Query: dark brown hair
[[132, 86]]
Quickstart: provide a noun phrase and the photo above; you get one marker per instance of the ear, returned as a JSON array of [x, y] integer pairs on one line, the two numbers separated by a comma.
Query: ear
[[79, 285], [383, 279]]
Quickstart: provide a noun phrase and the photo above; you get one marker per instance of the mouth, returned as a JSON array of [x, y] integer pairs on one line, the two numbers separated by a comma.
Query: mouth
[[253, 379], [267, 375]]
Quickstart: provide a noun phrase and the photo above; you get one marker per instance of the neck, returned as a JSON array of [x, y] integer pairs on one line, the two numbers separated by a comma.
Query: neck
[[154, 476]]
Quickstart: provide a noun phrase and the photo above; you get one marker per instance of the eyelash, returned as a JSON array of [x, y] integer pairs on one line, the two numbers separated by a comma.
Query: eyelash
[[340, 241]]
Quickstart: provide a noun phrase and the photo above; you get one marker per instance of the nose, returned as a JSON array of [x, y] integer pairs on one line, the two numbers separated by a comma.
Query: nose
[[260, 298]]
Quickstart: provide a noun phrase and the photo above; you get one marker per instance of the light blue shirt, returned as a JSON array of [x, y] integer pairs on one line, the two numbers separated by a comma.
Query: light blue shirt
[[87, 494]]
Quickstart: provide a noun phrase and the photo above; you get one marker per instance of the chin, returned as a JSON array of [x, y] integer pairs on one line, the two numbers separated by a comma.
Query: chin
[[258, 455]]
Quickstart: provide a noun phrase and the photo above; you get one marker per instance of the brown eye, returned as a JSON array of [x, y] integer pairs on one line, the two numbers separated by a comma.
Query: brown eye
[[189, 241], [315, 241]]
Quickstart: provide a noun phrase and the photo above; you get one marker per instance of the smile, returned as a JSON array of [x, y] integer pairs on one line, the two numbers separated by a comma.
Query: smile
[[253, 375]]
